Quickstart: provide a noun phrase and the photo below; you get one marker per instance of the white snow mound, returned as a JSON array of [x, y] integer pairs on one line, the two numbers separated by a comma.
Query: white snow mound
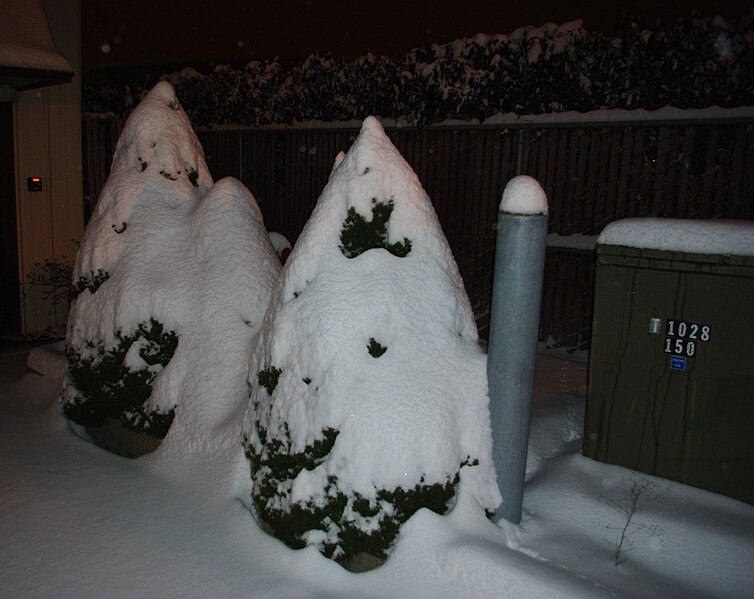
[[157, 158]]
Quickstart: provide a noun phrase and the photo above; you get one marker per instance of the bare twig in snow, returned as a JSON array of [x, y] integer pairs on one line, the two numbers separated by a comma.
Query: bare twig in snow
[[640, 492]]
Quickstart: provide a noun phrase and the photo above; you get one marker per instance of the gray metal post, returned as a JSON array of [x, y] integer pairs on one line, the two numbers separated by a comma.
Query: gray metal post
[[516, 299]]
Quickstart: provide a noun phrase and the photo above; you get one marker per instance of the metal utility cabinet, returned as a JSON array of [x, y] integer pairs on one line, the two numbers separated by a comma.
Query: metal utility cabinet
[[671, 369]]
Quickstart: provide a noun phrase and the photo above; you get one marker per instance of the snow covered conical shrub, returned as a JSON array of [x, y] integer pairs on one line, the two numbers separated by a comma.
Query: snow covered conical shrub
[[174, 274], [368, 390]]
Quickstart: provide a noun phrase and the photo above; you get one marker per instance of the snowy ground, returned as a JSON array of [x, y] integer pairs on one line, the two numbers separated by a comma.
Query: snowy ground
[[78, 521]]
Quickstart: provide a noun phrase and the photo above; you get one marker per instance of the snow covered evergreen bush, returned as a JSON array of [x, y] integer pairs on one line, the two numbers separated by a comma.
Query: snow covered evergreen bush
[[368, 390], [692, 63], [175, 274]]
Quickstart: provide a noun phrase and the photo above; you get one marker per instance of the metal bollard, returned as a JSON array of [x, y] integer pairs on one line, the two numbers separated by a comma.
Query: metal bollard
[[514, 326]]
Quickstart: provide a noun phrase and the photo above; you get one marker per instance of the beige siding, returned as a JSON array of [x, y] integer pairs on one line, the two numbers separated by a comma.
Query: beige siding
[[48, 145]]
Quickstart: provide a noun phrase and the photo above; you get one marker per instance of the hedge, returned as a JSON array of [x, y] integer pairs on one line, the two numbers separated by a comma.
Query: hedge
[[691, 63]]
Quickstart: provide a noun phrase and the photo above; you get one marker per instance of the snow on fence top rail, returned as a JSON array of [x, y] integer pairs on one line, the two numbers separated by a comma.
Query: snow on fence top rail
[[605, 117], [614, 116]]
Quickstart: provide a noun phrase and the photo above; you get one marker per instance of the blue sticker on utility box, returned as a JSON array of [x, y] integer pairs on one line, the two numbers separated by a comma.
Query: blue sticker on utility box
[[678, 363]]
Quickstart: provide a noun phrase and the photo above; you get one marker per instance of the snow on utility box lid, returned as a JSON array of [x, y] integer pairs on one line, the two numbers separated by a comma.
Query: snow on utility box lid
[[715, 236]]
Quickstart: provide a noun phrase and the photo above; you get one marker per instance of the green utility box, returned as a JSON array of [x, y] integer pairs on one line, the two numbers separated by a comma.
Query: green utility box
[[671, 368]]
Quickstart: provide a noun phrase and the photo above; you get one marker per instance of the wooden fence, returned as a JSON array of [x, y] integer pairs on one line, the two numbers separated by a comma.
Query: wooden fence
[[593, 173]]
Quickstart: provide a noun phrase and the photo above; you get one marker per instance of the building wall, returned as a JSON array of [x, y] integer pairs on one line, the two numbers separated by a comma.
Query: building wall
[[48, 145]]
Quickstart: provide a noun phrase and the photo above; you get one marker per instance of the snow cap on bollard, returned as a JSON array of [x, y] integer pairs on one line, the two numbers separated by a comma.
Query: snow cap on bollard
[[523, 195]]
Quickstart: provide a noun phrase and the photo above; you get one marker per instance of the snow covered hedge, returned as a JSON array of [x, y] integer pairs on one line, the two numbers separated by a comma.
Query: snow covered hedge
[[368, 389], [175, 274], [693, 63]]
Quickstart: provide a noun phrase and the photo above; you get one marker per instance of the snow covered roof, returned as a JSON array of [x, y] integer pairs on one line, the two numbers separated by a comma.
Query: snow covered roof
[[28, 55]]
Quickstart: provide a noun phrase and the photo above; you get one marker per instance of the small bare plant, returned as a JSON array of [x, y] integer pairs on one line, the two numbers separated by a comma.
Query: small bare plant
[[640, 492], [56, 276]]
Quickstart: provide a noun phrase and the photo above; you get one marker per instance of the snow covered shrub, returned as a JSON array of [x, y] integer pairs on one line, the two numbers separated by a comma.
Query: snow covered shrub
[[368, 390], [175, 275], [115, 382]]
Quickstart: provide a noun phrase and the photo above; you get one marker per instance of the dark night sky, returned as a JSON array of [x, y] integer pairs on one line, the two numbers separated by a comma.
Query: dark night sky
[[190, 32]]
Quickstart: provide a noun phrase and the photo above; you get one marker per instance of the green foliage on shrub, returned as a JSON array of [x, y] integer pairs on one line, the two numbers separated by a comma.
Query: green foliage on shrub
[[274, 466], [284, 464], [338, 514], [359, 234], [268, 378], [354, 541], [92, 282], [375, 349], [106, 388]]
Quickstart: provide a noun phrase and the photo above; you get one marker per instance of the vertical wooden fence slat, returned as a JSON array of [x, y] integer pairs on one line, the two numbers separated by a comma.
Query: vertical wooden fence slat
[[747, 196], [561, 177], [633, 192], [673, 172], [461, 245], [443, 193], [568, 298], [264, 173], [482, 218], [710, 168], [697, 174], [657, 207], [611, 189], [545, 321], [647, 172], [540, 151], [626, 156], [579, 200], [525, 157], [474, 160], [495, 176], [737, 162], [603, 190], [592, 179], [90, 147], [488, 211], [723, 180], [687, 152]]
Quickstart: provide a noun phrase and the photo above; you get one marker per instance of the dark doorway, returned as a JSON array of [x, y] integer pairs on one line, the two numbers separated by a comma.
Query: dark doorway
[[10, 307]]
